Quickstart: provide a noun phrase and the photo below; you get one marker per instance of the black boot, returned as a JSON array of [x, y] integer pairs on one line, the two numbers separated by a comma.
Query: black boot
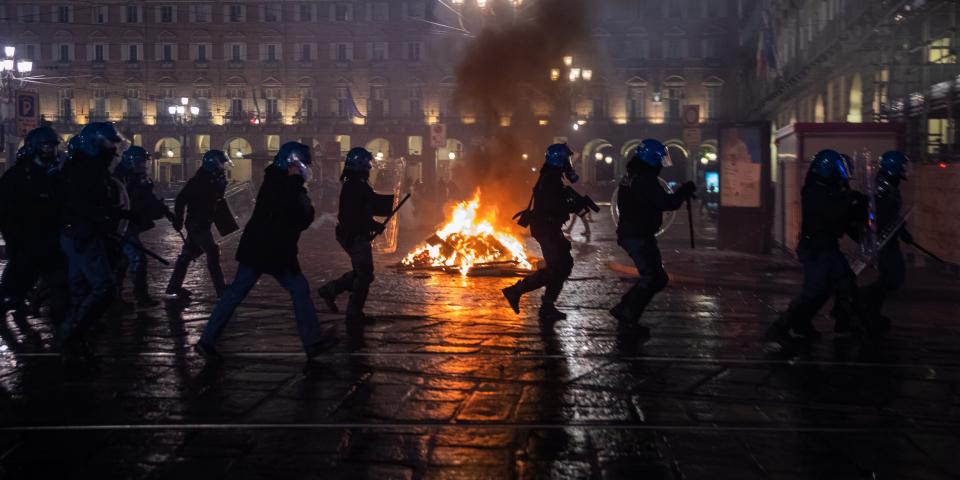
[[328, 294], [513, 294], [549, 313]]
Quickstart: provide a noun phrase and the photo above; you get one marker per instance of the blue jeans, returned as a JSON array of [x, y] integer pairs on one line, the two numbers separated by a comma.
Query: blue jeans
[[91, 281], [306, 314]]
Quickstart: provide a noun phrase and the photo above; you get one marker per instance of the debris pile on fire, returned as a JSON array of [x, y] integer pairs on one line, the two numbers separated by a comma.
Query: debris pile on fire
[[470, 244]]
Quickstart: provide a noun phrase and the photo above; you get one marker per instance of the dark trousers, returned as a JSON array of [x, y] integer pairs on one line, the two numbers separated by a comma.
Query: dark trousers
[[825, 273], [91, 282], [294, 282], [199, 242], [892, 274], [135, 262], [357, 281], [556, 253], [653, 278], [25, 268]]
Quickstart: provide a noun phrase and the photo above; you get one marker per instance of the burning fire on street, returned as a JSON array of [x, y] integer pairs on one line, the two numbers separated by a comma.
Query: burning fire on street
[[470, 241]]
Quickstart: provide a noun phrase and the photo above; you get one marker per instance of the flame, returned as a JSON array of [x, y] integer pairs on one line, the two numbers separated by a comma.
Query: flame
[[469, 239]]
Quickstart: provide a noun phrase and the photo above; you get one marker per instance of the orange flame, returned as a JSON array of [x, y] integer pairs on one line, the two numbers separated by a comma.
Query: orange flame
[[469, 239]]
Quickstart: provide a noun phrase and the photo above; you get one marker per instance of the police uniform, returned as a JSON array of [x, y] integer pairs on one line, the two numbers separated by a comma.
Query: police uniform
[[30, 207], [355, 231], [268, 245], [551, 209], [200, 197], [146, 208], [829, 209], [642, 201]]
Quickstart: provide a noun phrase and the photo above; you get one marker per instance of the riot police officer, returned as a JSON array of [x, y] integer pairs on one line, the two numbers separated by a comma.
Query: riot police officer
[[200, 197], [89, 214], [642, 201], [829, 209], [30, 223], [890, 264], [550, 210], [356, 228], [269, 246], [146, 207]]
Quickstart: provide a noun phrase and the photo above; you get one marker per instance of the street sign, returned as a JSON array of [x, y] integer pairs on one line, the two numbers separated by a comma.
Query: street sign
[[438, 135], [28, 112], [691, 115], [692, 137]]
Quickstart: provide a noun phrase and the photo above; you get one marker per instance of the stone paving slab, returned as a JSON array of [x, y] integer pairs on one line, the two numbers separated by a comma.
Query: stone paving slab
[[449, 383]]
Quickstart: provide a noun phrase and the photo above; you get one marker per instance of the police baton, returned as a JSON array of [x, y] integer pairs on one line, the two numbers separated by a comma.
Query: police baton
[[394, 212], [693, 243], [927, 252]]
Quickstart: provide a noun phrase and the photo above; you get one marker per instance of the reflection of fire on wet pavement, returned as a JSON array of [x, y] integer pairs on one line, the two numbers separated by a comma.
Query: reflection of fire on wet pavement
[[470, 242]]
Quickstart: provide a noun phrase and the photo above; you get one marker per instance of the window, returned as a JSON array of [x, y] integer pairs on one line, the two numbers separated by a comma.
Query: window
[[236, 13], [98, 105], [99, 52], [270, 52], [415, 10], [306, 52], [32, 51], [414, 51], [272, 97], [342, 12], [636, 102], [306, 103], [201, 13], [271, 13], [132, 52], [63, 14], [66, 104], [100, 14], [306, 12], [939, 52], [29, 13], [133, 104], [236, 111], [235, 52], [166, 14], [63, 52], [415, 102], [342, 52], [168, 52], [713, 93], [415, 145], [202, 99], [675, 9], [134, 14], [342, 102], [200, 52], [638, 47], [378, 101], [675, 48], [380, 11], [674, 97], [379, 51], [708, 48]]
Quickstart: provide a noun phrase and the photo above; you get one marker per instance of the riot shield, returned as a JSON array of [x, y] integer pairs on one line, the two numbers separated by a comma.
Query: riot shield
[[863, 179], [668, 217], [860, 262], [389, 180], [234, 211]]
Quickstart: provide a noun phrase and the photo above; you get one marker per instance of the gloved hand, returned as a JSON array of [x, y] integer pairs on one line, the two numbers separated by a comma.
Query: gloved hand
[[687, 190], [906, 236]]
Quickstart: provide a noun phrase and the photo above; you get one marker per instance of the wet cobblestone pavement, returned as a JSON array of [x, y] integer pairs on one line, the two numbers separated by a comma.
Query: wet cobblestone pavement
[[449, 383]]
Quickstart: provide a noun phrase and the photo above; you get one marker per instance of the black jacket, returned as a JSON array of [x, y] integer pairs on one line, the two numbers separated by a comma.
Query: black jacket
[[145, 206], [550, 206], [642, 201], [89, 198], [283, 211], [827, 212], [888, 204], [355, 215], [200, 197], [30, 205]]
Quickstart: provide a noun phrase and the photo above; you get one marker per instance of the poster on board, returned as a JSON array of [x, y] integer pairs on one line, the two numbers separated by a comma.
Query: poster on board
[[741, 160]]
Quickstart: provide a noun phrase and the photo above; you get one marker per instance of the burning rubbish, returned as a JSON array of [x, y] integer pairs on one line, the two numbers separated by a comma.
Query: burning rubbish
[[469, 243]]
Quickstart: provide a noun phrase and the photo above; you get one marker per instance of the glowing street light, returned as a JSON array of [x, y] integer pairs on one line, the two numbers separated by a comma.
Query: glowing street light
[[172, 109], [576, 127], [598, 156], [587, 75], [8, 51], [6, 65], [194, 110], [554, 74], [568, 60], [184, 100], [452, 156], [608, 160], [574, 74], [25, 66]]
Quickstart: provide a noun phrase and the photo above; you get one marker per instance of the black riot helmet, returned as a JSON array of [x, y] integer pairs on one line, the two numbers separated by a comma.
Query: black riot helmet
[[41, 143], [135, 159], [101, 140], [216, 161]]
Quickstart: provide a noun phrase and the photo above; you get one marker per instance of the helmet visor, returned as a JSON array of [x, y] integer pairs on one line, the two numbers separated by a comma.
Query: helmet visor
[[667, 161]]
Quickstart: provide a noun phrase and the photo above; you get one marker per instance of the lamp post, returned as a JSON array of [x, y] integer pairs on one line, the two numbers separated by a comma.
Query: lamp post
[[573, 75], [13, 72], [184, 116]]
